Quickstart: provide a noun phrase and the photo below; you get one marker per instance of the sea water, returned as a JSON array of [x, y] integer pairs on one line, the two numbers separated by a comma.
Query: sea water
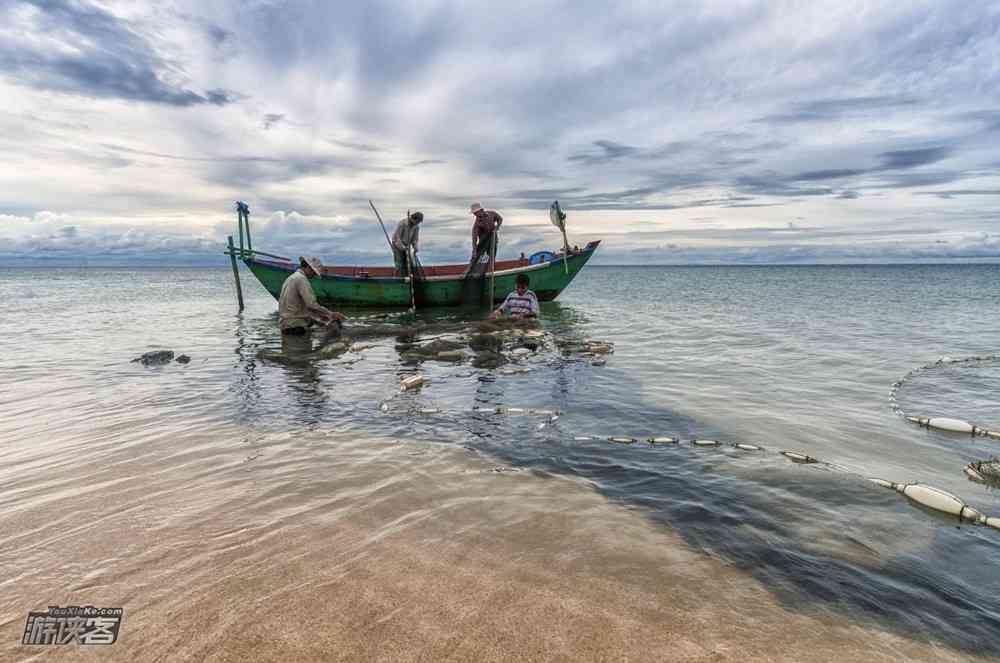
[[787, 358]]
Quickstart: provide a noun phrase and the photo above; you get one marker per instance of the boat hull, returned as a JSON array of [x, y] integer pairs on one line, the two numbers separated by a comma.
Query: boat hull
[[548, 279]]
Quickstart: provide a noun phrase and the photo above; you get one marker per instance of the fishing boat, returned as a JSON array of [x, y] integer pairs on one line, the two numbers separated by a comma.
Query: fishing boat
[[432, 285]]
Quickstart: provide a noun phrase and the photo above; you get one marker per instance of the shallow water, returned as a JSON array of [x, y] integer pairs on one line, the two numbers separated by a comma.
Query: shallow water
[[789, 358]]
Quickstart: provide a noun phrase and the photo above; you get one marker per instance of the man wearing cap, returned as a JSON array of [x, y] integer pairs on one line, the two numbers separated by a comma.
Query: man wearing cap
[[297, 305], [407, 235], [486, 224]]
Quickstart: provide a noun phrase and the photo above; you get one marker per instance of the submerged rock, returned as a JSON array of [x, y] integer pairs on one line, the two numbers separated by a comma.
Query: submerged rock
[[183, 359], [480, 342], [155, 358], [488, 359], [332, 350]]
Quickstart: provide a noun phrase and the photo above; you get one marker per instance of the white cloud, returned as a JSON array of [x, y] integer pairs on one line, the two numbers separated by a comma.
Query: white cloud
[[154, 118]]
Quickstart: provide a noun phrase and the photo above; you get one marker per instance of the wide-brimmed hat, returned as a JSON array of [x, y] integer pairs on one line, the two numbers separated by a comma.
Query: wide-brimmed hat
[[314, 262], [475, 208]]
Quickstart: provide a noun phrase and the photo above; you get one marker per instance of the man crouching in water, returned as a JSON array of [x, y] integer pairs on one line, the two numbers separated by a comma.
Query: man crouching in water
[[298, 309], [520, 304]]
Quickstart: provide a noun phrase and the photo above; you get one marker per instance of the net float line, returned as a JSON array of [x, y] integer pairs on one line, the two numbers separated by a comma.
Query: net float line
[[950, 424], [927, 496], [941, 501]]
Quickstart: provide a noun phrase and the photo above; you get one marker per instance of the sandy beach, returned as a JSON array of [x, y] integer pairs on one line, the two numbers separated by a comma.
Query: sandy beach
[[386, 550]]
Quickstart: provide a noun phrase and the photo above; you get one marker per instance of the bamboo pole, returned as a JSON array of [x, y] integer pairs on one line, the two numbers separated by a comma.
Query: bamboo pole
[[493, 263], [379, 217], [246, 221], [409, 268], [236, 272]]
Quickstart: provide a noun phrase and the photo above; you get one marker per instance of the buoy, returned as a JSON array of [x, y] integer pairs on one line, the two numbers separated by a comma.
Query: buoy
[[748, 447], [663, 440], [554, 418], [954, 425], [920, 421], [994, 434], [519, 353], [583, 438], [706, 443], [515, 410], [622, 439], [937, 499], [429, 410], [384, 407], [412, 382], [992, 522], [885, 483], [798, 458], [543, 412]]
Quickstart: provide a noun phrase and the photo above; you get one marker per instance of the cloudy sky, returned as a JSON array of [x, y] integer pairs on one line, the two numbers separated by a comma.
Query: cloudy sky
[[694, 132]]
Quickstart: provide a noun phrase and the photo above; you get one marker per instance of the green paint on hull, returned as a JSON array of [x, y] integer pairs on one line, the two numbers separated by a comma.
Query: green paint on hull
[[547, 281]]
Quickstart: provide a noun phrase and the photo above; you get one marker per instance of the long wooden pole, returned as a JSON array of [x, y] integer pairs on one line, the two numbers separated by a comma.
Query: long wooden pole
[[379, 217], [493, 263], [236, 272], [409, 267]]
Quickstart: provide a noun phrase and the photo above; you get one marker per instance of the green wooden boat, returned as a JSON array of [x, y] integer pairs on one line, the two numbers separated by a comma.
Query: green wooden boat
[[439, 285]]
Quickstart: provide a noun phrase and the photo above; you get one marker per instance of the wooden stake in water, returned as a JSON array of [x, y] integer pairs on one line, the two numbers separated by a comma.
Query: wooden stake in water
[[236, 272]]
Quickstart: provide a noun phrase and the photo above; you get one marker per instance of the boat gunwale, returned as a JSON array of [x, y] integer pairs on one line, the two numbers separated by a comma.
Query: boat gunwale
[[291, 267]]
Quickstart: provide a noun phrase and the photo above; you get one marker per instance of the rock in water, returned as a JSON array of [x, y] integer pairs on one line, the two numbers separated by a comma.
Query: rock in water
[[488, 359], [480, 342], [183, 359], [156, 358]]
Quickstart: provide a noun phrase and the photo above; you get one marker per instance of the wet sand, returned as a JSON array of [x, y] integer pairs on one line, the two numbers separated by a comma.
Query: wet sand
[[247, 547]]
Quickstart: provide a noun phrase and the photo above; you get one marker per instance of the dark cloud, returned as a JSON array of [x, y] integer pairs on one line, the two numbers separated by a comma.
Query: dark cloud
[[87, 51], [272, 119], [827, 174], [824, 110], [914, 158], [776, 185], [606, 151], [361, 147], [953, 193]]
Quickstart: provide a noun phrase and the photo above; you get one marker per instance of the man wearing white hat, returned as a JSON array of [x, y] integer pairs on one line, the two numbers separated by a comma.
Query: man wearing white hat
[[486, 224], [297, 305]]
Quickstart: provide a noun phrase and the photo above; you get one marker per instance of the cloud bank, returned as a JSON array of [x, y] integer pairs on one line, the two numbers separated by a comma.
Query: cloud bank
[[718, 132]]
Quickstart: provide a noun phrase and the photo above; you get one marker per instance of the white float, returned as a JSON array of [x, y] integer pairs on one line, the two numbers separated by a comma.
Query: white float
[[798, 458], [663, 440], [954, 425], [412, 382], [621, 439], [706, 443]]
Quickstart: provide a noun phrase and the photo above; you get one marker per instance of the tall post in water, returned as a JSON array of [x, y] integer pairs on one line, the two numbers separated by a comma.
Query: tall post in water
[[236, 272]]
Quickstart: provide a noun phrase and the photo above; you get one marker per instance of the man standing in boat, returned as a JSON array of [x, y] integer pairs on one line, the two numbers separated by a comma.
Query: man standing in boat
[[297, 305], [407, 235], [483, 233]]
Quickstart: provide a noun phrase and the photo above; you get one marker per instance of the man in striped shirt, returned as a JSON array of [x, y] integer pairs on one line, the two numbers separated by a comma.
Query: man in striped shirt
[[520, 304]]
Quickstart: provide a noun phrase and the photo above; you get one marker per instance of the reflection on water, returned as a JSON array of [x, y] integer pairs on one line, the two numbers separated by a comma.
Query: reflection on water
[[768, 357]]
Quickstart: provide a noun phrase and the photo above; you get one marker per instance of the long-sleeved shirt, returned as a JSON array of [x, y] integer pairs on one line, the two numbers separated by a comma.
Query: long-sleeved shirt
[[484, 224], [526, 304], [407, 234], [297, 303]]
